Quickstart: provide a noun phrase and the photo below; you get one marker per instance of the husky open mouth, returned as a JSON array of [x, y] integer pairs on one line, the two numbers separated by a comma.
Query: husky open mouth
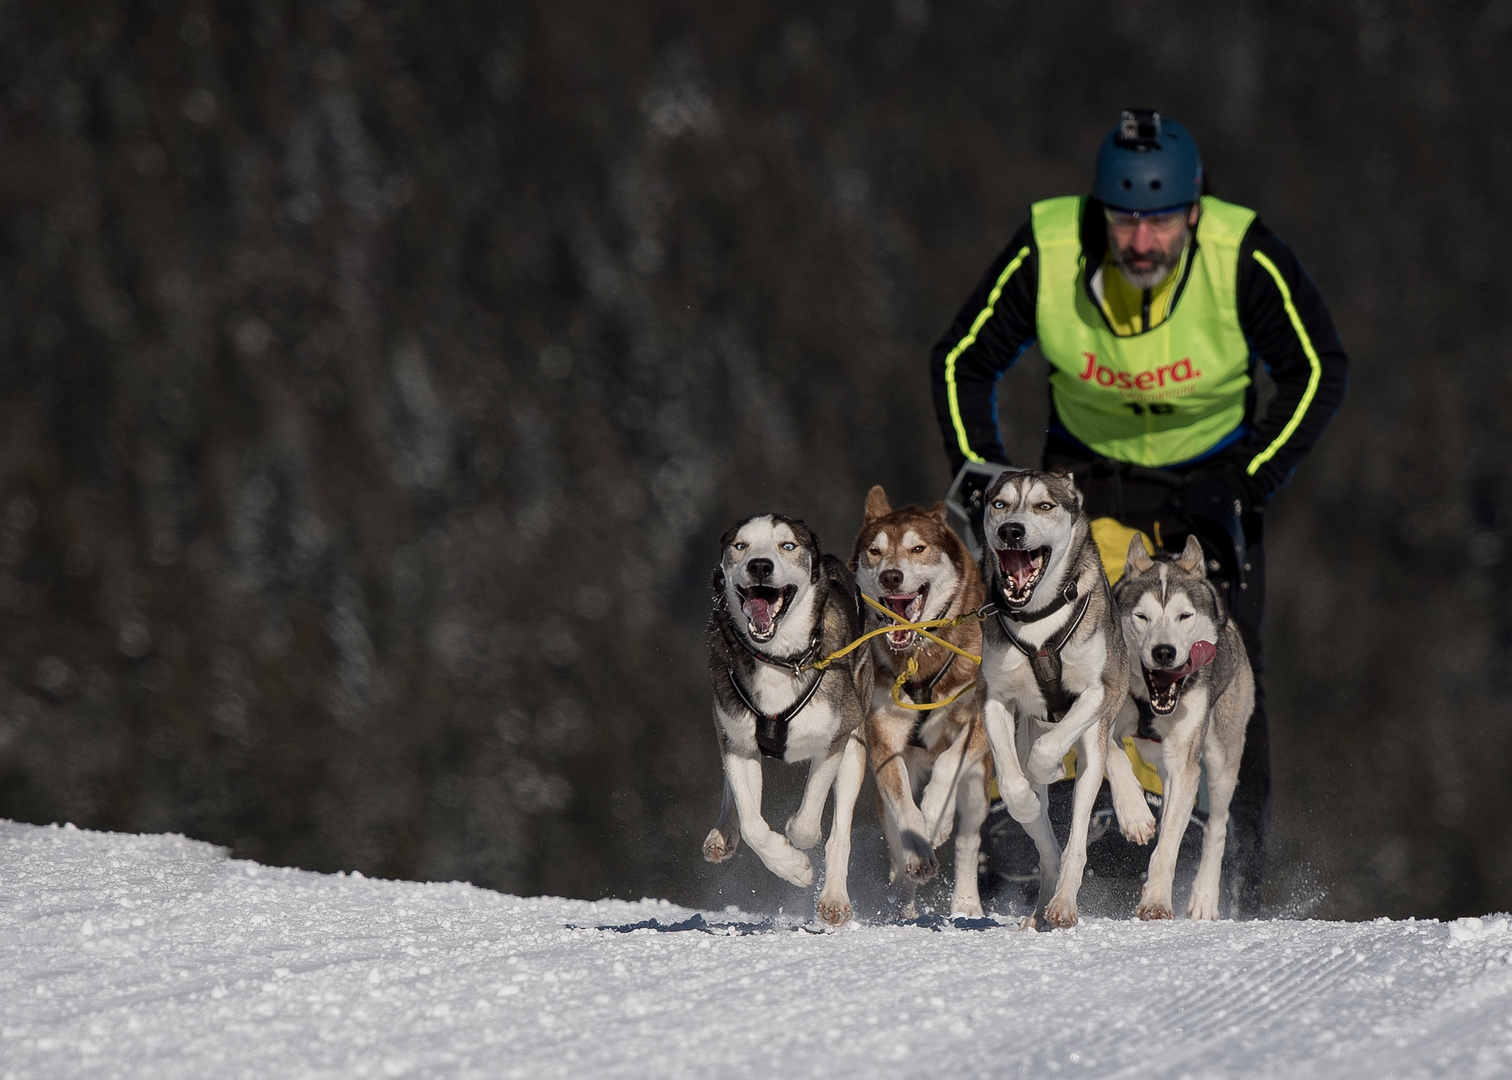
[[1164, 684], [763, 606], [911, 607], [1021, 572]]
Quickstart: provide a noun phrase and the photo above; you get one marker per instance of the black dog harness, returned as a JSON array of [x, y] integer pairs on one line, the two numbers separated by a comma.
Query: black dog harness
[[772, 728], [1045, 661], [1146, 729]]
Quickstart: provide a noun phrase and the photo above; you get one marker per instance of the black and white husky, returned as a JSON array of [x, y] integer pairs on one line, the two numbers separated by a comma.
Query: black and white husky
[[779, 604], [1053, 665], [1191, 695]]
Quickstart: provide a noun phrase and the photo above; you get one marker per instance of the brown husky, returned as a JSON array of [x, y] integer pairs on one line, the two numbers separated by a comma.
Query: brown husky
[[911, 561]]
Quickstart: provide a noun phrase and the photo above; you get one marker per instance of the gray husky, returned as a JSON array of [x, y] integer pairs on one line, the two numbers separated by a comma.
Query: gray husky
[[1191, 696], [1053, 664], [779, 605]]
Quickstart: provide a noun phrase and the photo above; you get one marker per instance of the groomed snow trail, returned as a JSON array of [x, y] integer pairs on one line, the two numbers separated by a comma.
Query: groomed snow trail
[[158, 957]]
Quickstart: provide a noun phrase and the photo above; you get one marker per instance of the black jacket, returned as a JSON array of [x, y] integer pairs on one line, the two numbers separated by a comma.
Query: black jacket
[[1263, 317]]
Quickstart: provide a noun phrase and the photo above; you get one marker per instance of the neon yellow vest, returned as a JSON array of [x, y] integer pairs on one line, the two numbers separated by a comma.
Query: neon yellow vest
[[1156, 398]]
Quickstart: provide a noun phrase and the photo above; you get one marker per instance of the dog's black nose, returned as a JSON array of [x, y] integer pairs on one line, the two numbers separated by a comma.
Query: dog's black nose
[[760, 569], [892, 580], [1011, 532], [1164, 655]]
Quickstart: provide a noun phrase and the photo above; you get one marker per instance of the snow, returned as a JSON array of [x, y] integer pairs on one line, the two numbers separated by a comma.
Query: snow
[[157, 956]]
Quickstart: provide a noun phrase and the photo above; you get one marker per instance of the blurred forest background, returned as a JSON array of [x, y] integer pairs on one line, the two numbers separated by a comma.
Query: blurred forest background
[[376, 377]]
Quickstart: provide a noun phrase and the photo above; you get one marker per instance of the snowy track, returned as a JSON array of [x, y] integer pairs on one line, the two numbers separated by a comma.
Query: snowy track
[[155, 956]]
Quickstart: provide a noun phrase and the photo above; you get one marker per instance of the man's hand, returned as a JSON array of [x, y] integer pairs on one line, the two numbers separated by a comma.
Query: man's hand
[[972, 494], [1213, 500], [1215, 492]]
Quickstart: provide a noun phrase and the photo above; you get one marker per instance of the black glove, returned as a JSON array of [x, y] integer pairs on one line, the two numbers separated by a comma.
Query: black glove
[[1213, 500], [973, 496]]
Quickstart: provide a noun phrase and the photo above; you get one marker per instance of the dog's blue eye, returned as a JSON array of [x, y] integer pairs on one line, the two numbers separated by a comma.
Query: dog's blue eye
[[789, 547], [739, 546], [998, 504]]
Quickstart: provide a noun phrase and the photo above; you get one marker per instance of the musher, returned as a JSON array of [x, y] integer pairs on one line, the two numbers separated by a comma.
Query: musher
[[1153, 302]]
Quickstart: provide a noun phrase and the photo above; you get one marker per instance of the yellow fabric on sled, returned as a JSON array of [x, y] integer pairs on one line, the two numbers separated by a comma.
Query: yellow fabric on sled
[[1144, 772], [1112, 539]]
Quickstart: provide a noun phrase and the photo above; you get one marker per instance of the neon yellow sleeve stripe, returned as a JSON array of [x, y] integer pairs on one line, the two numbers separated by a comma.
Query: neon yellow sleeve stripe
[[1312, 379], [966, 343]]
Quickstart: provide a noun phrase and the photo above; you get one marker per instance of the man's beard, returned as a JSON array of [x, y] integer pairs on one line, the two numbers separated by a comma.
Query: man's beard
[[1148, 279]]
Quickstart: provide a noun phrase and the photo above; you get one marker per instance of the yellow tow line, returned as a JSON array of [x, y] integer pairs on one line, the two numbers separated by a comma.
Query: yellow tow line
[[921, 628]]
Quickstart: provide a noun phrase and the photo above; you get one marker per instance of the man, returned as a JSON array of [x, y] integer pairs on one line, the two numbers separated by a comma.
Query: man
[[1153, 302]]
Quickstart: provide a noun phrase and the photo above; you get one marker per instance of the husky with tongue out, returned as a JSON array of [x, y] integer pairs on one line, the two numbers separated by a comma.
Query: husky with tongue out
[[911, 561], [1191, 695], [780, 605], [1054, 667]]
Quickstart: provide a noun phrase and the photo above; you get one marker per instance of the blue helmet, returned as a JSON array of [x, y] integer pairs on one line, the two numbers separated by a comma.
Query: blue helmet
[[1148, 162]]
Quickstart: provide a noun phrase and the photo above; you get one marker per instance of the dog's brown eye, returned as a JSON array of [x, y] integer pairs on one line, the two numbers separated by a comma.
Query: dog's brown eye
[[875, 552], [919, 550], [1046, 506]]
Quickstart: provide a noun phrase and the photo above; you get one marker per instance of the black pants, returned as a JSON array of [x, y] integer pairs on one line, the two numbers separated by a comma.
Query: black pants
[[1139, 501]]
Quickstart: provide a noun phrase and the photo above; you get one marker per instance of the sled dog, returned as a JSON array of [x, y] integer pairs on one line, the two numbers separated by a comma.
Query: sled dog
[[779, 605], [912, 561], [1191, 693], [1054, 668]]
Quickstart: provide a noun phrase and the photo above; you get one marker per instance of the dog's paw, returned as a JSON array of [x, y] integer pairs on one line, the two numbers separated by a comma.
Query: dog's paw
[[790, 864], [717, 849], [965, 908], [920, 864], [908, 910], [1045, 768], [1203, 906], [1138, 826], [834, 910], [1061, 913], [1150, 910], [802, 834], [1023, 805]]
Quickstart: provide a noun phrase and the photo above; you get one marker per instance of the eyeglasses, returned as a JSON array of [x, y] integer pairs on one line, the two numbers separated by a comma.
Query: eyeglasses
[[1157, 220]]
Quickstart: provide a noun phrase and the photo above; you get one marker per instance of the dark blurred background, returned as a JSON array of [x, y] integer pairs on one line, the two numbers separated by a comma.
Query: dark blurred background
[[376, 378]]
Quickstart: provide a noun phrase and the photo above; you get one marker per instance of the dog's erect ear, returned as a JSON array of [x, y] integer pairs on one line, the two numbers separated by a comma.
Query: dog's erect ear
[[876, 503], [1069, 491], [937, 511], [1139, 559], [1192, 560]]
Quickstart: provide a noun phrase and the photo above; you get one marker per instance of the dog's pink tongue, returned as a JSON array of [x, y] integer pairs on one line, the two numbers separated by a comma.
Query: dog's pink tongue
[[1202, 654], [759, 612], [1017, 566]]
